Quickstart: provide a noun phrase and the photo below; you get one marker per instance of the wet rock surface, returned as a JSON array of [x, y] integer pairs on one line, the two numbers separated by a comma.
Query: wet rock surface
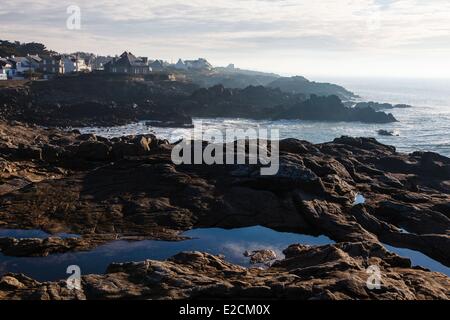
[[129, 188], [308, 273]]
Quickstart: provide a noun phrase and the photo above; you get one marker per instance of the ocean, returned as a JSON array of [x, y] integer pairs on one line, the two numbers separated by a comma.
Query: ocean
[[425, 127]]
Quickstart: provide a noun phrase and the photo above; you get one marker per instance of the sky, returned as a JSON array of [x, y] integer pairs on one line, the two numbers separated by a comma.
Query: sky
[[326, 38]]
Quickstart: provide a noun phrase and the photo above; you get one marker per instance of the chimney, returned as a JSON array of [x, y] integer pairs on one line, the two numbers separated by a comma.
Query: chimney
[[144, 59]]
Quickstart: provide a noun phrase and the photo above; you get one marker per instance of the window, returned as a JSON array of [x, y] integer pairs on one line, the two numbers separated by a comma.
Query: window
[[125, 70]]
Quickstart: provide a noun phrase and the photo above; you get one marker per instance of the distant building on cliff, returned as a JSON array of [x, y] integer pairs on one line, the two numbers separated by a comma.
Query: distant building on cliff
[[20, 66], [157, 65], [76, 64], [31, 66], [5, 69], [127, 63], [180, 65], [199, 64], [51, 64]]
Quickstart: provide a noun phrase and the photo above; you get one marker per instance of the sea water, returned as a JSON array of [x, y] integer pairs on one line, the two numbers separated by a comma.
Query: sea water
[[424, 127]]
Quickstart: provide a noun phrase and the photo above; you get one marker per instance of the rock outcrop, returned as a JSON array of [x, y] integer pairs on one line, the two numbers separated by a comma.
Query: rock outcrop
[[332, 272], [331, 108], [376, 106], [268, 103], [304, 86], [127, 187], [94, 100], [100, 100]]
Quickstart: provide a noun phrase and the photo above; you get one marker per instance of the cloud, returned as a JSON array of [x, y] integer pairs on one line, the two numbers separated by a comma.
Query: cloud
[[237, 29]]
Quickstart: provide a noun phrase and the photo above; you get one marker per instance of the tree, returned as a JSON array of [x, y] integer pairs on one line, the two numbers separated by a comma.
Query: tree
[[16, 48]]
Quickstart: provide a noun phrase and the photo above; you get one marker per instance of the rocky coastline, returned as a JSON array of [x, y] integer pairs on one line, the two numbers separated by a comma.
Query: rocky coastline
[[128, 188], [104, 100]]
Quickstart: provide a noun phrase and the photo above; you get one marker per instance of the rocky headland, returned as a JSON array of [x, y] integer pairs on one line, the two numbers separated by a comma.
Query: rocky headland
[[302, 85], [128, 188], [106, 100], [268, 103], [236, 78]]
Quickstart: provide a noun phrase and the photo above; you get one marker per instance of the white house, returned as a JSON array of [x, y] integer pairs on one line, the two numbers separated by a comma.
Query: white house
[[82, 65], [3, 75], [127, 63], [74, 64], [5, 69], [199, 64]]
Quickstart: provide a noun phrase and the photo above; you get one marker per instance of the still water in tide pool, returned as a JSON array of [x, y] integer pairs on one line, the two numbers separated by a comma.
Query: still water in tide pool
[[230, 243]]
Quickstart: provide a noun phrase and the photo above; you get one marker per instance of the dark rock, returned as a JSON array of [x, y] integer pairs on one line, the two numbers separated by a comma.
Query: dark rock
[[93, 151], [52, 154], [29, 152], [87, 137], [148, 197], [380, 106], [97, 100], [332, 109], [136, 146], [387, 133]]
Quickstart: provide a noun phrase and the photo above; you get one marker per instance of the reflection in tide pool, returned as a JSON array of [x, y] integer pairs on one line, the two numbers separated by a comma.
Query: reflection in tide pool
[[359, 199], [38, 234], [230, 243]]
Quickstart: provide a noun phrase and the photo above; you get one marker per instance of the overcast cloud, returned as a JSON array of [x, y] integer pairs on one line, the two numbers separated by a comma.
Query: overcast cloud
[[406, 38]]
